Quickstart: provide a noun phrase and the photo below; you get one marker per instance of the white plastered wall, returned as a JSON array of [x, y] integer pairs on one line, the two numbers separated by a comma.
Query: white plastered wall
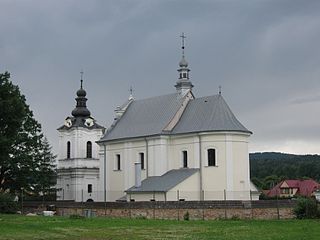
[[164, 153], [78, 171]]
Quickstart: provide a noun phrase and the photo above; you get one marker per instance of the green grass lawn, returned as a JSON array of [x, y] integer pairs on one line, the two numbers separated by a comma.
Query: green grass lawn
[[23, 227]]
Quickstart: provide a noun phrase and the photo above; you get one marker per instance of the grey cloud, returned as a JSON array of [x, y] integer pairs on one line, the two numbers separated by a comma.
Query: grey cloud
[[263, 53]]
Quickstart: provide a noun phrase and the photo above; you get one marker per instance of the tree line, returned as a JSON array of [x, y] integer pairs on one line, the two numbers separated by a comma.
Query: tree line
[[269, 168]]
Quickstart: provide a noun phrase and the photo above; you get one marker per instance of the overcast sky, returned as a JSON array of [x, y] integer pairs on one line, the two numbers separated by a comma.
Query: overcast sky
[[264, 54]]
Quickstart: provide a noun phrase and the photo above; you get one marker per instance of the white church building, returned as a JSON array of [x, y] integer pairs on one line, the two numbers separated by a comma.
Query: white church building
[[165, 148]]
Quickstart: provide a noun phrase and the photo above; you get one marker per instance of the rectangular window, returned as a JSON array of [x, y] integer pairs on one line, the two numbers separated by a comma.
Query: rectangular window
[[185, 159], [118, 162], [68, 149], [142, 160], [89, 188], [211, 157]]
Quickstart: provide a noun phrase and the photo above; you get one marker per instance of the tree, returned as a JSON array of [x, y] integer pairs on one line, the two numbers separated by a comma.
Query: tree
[[46, 174], [22, 144]]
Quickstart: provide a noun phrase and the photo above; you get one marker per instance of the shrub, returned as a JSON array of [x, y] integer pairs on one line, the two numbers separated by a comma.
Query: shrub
[[186, 216], [306, 208], [235, 217], [7, 204]]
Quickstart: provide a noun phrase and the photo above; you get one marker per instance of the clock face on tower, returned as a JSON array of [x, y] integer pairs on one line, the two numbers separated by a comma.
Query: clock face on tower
[[68, 122], [89, 122]]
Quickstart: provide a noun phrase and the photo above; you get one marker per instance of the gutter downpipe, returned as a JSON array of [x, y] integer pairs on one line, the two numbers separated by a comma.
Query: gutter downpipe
[[200, 162], [104, 172], [147, 158]]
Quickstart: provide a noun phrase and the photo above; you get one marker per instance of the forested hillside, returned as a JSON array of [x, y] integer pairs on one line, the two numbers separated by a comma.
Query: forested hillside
[[269, 168]]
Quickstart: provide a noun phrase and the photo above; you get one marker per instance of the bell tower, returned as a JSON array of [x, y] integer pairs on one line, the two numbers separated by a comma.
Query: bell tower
[[78, 160]]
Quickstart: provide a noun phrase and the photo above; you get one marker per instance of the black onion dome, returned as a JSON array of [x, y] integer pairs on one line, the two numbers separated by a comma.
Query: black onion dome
[[81, 92], [81, 112], [81, 109]]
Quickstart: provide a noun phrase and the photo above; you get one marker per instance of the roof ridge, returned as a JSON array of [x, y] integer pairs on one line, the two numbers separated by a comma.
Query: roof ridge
[[165, 95], [177, 116]]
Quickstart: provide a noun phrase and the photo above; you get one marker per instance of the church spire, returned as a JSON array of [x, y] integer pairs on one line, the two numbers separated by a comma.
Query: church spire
[[81, 107], [183, 84]]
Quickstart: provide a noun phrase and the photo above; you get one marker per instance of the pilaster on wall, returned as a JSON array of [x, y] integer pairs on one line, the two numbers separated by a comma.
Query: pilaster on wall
[[196, 147], [229, 163]]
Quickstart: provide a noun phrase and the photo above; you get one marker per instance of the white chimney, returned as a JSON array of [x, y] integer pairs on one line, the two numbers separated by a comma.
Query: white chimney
[[137, 179]]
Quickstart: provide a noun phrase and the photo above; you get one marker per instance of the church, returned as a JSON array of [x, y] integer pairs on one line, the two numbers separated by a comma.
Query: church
[[174, 147]]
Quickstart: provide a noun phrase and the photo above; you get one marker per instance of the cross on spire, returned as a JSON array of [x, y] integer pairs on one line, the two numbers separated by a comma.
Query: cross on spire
[[131, 93], [81, 80], [220, 90], [182, 39]]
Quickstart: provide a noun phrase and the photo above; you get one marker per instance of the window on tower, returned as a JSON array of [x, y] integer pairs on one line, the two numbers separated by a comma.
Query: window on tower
[[184, 75], [68, 149], [89, 149], [89, 188]]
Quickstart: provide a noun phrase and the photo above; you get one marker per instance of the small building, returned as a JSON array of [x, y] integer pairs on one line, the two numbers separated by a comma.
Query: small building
[[292, 188]]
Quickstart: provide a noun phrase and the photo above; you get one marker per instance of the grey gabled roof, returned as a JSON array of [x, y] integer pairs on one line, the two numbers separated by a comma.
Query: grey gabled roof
[[208, 114], [150, 116], [165, 182], [145, 117]]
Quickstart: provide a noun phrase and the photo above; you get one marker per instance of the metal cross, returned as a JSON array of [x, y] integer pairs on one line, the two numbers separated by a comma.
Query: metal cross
[[131, 90], [183, 37], [81, 73], [219, 90]]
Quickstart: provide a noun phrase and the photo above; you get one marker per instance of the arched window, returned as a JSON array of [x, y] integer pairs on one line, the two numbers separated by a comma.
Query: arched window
[[68, 149], [89, 149], [211, 157], [185, 159], [118, 162], [142, 160]]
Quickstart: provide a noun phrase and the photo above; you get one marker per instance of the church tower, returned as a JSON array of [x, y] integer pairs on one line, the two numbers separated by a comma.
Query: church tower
[[183, 84], [78, 160]]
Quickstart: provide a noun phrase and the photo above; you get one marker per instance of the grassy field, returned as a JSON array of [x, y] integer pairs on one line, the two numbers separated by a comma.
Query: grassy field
[[22, 227]]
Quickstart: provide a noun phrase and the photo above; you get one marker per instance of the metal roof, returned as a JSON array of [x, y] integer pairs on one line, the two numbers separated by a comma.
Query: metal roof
[[208, 114], [165, 182], [145, 117], [149, 117]]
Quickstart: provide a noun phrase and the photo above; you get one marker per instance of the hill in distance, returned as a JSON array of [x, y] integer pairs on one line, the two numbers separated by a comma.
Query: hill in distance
[[269, 168]]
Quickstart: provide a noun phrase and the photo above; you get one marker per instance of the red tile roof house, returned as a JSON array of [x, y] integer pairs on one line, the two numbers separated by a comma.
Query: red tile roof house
[[291, 188]]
